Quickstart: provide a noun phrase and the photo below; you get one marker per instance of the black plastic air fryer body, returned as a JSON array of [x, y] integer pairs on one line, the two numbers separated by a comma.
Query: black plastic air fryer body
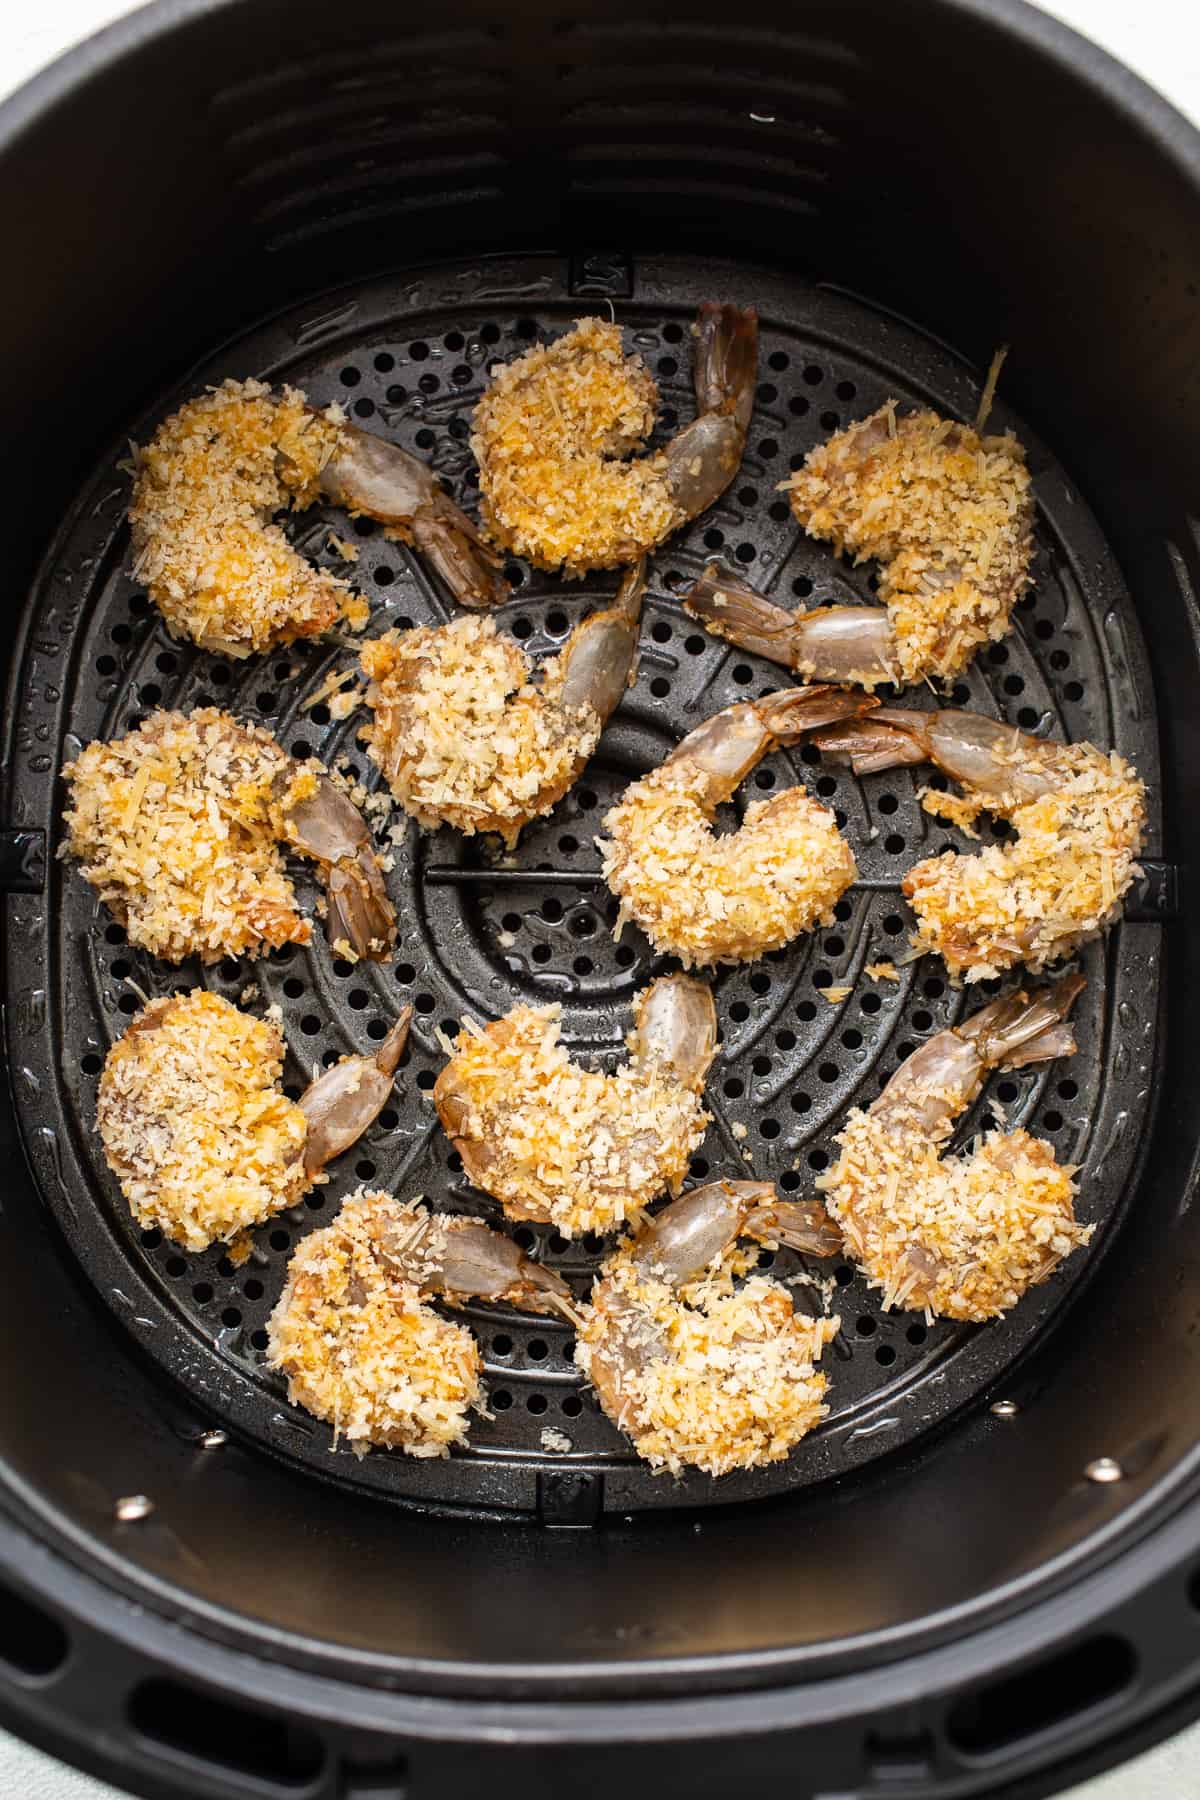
[[983, 1575]]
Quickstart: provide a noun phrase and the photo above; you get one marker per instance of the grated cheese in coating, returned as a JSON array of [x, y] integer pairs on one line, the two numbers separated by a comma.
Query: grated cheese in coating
[[726, 1382], [707, 898], [1059, 883], [947, 513], [560, 1144], [463, 735], [359, 1346], [175, 826], [966, 1236], [551, 434], [206, 490], [193, 1122]]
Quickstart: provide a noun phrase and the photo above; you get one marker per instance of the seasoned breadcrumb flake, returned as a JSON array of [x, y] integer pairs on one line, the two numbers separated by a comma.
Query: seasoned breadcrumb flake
[[194, 1124]]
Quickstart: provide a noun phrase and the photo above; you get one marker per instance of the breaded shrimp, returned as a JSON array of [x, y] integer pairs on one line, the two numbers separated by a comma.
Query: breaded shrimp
[[707, 898], [178, 828], [699, 1372], [1079, 815], [464, 734], [358, 1343], [555, 436], [961, 1236], [569, 1147], [198, 1131]]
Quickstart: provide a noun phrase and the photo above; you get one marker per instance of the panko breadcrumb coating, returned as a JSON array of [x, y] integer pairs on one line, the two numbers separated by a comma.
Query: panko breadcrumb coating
[[707, 898], [961, 1236], [564, 1145], [176, 825], [550, 435], [463, 735], [1059, 883], [995, 1221], [556, 432], [726, 1382], [206, 490], [359, 1346], [946, 512], [467, 735], [193, 1122]]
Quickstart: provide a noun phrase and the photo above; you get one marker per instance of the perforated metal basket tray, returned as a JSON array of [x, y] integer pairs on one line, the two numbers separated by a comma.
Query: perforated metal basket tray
[[478, 934]]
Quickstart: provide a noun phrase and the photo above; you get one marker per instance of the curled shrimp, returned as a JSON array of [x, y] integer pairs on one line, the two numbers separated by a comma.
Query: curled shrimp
[[1079, 815], [206, 491], [463, 734], [707, 898], [567, 1146], [198, 1131], [700, 1373], [554, 437], [964, 1236], [356, 1340], [178, 827], [946, 512]]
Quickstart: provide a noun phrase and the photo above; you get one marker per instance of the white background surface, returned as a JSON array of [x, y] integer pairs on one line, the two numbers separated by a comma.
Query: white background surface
[[1158, 38]]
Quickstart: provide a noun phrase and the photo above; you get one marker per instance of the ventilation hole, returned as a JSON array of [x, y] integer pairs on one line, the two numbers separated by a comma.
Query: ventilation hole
[[767, 393], [760, 982], [1052, 1120], [845, 390], [713, 538], [541, 953], [660, 632], [739, 1011], [1067, 1090], [502, 1344], [231, 1317], [552, 912], [828, 1071], [802, 587], [537, 1349], [800, 1102], [734, 1088], [768, 449], [789, 1181], [830, 421], [694, 645], [826, 786], [806, 1010], [870, 1003], [625, 956], [1041, 1695], [1014, 684], [1059, 659], [922, 1020], [364, 408], [91, 1064], [128, 1003], [350, 377], [152, 1238], [583, 965], [397, 395], [798, 405], [253, 1289], [852, 1039], [423, 1003], [699, 1167], [572, 1406], [893, 843], [105, 665], [202, 1293], [536, 1404], [660, 687], [742, 674], [916, 1334], [31, 1641], [761, 1065], [885, 1355], [822, 979], [960, 693], [818, 1159], [786, 1040], [667, 365], [121, 634], [843, 1275], [405, 974], [293, 987], [893, 924], [1073, 690], [218, 1734], [866, 1326], [385, 362], [834, 946], [748, 496], [769, 1128], [175, 1267]]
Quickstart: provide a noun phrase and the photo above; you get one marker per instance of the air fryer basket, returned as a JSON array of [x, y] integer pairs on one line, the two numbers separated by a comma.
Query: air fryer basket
[[998, 1521]]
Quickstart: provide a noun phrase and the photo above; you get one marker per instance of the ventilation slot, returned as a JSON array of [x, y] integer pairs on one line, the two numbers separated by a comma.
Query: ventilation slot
[[212, 1732], [1042, 1697], [31, 1642]]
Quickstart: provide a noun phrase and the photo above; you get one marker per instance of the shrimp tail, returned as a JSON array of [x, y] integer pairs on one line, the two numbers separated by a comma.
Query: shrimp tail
[[676, 1029], [802, 1225], [475, 1262], [325, 825], [703, 458], [341, 1104], [600, 657], [1018, 1029], [871, 745], [830, 643], [369, 475]]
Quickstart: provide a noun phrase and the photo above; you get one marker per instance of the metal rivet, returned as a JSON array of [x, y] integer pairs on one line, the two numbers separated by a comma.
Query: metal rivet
[[1006, 1409], [1105, 1468], [133, 1507], [213, 1440]]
